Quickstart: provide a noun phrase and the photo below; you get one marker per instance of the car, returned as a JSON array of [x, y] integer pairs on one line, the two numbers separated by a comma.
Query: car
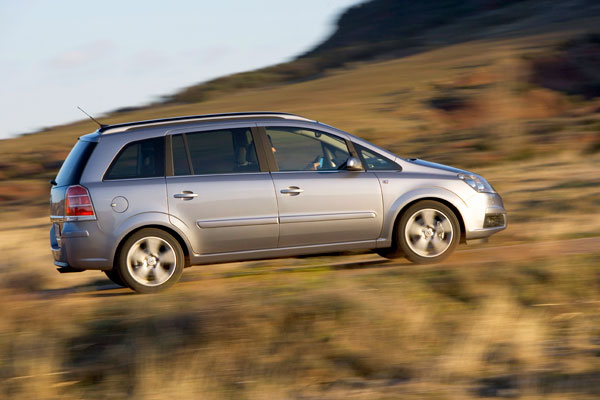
[[141, 201]]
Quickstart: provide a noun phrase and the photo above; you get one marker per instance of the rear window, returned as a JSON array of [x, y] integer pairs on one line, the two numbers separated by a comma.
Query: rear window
[[141, 159], [72, 168]]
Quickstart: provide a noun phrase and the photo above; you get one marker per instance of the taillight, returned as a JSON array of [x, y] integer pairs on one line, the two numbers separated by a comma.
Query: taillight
[[78, 203]]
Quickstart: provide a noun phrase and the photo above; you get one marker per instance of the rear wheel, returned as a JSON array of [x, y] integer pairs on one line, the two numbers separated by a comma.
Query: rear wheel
[[151, 260], [428, 232]]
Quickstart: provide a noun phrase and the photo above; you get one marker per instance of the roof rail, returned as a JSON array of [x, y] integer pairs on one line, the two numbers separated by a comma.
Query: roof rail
[[125, 126]]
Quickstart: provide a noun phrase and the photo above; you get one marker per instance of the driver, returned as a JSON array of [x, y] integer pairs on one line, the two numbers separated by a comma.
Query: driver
[[314, 165]]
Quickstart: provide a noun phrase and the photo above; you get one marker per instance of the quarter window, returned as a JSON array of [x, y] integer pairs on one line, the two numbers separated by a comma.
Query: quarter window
[[141, 159], [298, 149], [218, 152], [373, 161]]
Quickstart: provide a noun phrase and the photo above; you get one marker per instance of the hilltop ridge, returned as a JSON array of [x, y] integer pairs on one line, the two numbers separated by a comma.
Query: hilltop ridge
[[388, 29]]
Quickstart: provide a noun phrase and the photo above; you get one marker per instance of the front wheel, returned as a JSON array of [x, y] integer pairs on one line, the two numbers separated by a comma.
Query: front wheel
[[428, 232], [114, 276], [151, 260]]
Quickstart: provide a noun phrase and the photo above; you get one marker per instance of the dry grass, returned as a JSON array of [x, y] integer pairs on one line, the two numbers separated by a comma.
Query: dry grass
[[454, 330], [300, 329]]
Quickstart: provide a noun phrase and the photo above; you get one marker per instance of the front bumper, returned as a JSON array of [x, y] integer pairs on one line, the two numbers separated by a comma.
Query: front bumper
[[487, 216]]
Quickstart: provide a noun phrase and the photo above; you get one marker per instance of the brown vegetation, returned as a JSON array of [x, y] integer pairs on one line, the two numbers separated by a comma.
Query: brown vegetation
[[574, 68]]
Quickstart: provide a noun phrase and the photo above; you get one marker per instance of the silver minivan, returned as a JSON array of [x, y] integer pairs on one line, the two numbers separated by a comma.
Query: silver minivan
[[143, 200]]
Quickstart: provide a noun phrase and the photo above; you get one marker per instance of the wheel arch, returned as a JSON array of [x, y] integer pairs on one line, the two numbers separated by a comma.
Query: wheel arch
[[445, 202], [443, 196], [176, 235]]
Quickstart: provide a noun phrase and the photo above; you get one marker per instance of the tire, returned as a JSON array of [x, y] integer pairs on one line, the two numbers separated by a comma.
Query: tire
[[150, 261], [114, 276], [391, 253], [428, 232]]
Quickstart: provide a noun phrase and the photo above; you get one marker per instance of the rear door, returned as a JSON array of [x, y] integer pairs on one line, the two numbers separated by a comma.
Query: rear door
[[69, 174], [319, 201], [220, 191]]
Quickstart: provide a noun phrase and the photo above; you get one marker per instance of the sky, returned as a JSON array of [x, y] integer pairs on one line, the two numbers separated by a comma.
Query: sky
[[56, 55]]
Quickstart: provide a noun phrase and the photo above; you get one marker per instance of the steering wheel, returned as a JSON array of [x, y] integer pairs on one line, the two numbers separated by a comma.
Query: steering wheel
[[311, 165]]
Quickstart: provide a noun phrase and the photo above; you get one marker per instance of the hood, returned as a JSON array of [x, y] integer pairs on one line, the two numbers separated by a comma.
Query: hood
[[427, 166]]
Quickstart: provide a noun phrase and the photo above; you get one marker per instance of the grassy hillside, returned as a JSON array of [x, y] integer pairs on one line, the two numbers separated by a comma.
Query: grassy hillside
[[484, 105]]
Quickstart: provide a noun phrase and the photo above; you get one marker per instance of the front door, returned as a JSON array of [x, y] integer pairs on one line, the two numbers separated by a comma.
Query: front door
[[319, 201], [219, 193]]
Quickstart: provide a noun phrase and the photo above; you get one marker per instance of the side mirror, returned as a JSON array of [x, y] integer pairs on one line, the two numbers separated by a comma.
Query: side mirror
[[354, 164]]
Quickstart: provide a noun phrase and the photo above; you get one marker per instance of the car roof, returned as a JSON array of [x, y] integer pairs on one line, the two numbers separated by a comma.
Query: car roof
[[114, 128]]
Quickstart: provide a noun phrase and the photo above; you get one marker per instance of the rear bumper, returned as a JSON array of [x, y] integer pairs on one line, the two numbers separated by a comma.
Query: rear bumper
[[75, 248]]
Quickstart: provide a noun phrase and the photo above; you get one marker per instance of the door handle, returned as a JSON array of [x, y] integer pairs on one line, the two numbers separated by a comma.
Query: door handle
[[292, 190], [186, 195]]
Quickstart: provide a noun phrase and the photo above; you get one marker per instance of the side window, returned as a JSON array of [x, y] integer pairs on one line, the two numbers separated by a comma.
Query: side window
[[220, 152], [373, 161], [141, 159], [297, 149]]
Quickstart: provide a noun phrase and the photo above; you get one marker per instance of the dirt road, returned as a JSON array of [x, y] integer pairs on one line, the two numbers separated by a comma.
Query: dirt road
[[362, 263]]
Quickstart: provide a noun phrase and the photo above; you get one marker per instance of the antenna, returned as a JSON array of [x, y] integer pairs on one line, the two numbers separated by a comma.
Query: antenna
[[92, 118]]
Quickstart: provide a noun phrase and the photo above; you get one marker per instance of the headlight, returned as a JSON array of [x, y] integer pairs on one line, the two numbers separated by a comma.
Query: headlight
[[477, 183]]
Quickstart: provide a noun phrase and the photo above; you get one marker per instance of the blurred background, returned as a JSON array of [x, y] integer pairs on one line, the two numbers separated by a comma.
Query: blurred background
[[508, 89]]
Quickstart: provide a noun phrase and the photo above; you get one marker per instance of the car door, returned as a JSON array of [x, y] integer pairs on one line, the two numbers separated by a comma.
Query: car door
[[220, 191], [319, 201]]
